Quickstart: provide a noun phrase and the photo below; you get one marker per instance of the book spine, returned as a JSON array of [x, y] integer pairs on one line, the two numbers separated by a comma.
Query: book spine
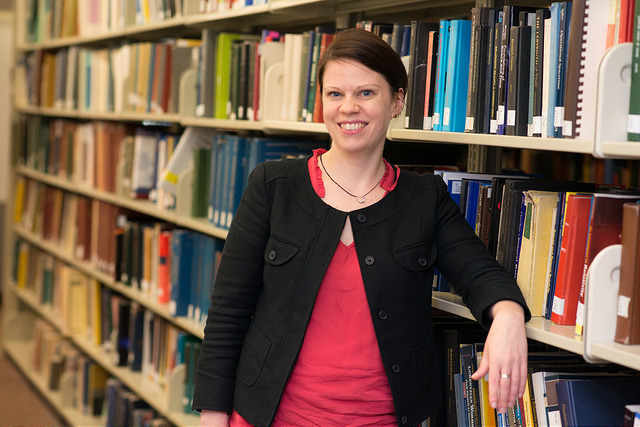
[[633, 124]]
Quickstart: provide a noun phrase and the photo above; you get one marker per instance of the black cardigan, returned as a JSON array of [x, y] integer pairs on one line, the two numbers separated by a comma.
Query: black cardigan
[[275, 256]]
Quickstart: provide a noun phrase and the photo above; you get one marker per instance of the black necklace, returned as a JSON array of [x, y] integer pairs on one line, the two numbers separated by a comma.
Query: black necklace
[[360, 199]]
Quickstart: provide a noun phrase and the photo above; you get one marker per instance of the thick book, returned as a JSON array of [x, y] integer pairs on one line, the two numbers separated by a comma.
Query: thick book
[[537, 69], [563, 44], [457, 81], [430, 80], [182, 253], [441, 73], [418, 72], [518, 80], [605, 227], [597, 401], [223, 48], [468, 365], [474, 72], [628, 313], [536, 248], [571, 259]]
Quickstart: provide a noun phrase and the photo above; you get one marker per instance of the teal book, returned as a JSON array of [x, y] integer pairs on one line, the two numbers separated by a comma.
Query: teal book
[[457, 79], [441, 73]]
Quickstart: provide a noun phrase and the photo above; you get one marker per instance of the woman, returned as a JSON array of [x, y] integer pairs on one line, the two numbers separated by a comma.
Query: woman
[[321, 311]]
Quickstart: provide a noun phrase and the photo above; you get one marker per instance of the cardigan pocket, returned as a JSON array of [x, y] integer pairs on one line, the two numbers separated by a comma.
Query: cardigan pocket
[[419, 257], [252, 357], [279, 251], [423, 363]]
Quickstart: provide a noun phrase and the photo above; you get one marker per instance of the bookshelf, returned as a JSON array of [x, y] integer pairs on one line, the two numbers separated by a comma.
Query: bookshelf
[[21, 306]]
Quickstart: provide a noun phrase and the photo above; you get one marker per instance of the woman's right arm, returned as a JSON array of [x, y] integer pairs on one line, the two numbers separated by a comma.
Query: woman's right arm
[[214, 419]]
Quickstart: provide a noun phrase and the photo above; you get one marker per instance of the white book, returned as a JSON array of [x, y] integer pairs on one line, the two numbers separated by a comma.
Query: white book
[[296, 77]]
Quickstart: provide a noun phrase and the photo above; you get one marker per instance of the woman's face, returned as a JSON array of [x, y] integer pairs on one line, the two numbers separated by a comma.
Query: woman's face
[[358, 104]]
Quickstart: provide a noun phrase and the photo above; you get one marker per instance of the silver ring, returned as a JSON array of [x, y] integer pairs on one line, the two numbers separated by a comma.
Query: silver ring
[[507, 376]]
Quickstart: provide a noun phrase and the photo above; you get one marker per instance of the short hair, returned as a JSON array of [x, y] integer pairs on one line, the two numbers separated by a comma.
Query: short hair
[[369, 50]]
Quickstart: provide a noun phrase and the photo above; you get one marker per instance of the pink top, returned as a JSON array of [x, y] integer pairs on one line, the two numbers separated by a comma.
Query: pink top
[[339, 378]]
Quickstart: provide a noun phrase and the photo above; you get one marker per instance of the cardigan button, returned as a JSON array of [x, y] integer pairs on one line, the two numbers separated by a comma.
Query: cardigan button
[[369, 260], [422, 262], [403, 419], [383, 315], [272, 254], [395, 368], [361, 218]]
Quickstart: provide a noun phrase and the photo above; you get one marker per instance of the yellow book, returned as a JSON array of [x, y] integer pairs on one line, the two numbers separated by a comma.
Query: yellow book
[[96, 311], [22, 269], [487, 413], [18, 199]]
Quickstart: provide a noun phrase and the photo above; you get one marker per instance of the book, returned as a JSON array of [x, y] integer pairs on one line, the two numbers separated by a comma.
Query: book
[[444, 36], [633, 126], [182, 275], [457, 79], [538, 69], [596, 401], [430, 83], [536, 247], [628, 312], [605, 226], [182, 157], [563, 44], [223, 50], [571, 259]]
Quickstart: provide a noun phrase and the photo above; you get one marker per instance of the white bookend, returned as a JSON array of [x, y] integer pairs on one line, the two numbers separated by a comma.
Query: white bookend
[[601, 297], [182, 157]]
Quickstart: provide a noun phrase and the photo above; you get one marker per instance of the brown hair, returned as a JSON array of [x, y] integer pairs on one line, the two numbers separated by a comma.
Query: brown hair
[[369, 50]]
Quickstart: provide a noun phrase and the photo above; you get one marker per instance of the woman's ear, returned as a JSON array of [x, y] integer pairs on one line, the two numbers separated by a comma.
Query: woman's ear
[[399, 102]]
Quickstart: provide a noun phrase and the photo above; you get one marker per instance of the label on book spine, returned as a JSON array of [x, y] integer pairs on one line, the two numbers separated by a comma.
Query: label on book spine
[[500, 115], [511, 117], [623, 306], [558, 306], [633, 124], [558, 117]]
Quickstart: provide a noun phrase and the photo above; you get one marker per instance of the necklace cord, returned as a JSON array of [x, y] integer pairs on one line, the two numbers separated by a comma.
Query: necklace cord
[[359, 199]]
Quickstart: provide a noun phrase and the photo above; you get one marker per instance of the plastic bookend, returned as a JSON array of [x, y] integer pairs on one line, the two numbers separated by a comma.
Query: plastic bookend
[[603, 281]]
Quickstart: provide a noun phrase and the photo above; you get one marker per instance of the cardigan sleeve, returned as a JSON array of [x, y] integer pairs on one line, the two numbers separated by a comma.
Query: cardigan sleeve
[[235, 292], [467, 264]]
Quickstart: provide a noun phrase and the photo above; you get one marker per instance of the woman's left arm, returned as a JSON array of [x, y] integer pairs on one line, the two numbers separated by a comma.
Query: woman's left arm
[[504, 355]]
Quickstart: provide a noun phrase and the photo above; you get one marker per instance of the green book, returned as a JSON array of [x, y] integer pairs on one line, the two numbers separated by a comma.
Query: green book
[[633, 127], [200, 188], [224, 46]]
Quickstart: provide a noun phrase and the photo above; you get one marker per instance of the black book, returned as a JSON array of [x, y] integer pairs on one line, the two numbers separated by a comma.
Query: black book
[[474, 72], [495, 78], [523, 72]]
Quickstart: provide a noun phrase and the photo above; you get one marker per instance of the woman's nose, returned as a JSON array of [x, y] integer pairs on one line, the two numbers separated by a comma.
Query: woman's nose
[[349, 105]]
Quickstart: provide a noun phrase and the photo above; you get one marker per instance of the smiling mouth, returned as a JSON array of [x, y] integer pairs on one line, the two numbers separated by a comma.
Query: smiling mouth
[[352, 126]]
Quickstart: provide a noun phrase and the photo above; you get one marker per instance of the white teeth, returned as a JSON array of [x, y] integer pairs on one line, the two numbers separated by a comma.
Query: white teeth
[[352, 126]]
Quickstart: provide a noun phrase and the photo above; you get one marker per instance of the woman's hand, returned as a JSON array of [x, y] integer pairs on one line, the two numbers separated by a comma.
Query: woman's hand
[[214, 419], [504, 355]]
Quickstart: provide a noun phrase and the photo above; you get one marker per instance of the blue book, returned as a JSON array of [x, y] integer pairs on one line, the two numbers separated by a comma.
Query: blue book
[[457, 79], [471, 206], [182, 253], [553, 57], [563, 55], [235, 178], [213, 178], [218, 184], [197, 268], [597, 401], [441, 74]]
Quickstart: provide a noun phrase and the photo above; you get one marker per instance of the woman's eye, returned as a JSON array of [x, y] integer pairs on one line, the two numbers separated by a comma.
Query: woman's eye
[[367, 92], [333, 94]]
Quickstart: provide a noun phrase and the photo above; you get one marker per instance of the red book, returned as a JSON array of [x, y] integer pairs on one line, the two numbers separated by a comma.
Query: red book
[[164, 267], [605, 229], [571, 259]]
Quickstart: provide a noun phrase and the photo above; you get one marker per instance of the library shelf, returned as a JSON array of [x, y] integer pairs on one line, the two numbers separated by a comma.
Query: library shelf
[[142, 206], [537, 328], [144, 298], [507, 141], [21, 353]]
